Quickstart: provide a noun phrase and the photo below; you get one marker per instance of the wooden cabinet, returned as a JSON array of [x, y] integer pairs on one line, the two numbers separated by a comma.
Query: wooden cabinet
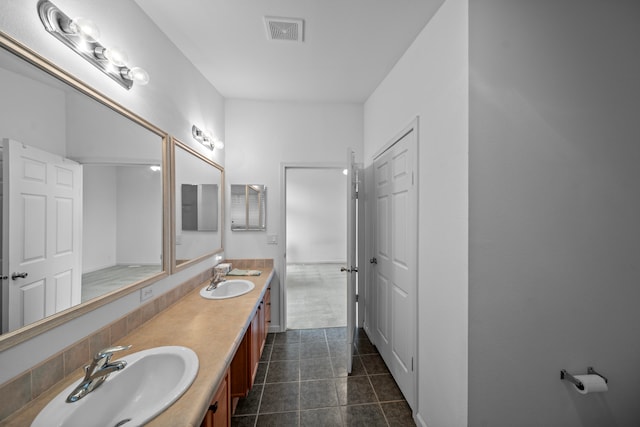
[[267, 312], [239, 372], [256, 342], [219, 413], [244, 365]]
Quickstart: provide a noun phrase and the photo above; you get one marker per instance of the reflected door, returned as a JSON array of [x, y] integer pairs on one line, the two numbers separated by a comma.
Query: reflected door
[[43, 222]]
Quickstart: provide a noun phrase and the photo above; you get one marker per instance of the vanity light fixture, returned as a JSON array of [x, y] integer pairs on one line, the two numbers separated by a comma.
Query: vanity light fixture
[[81, 35], [205, 139]]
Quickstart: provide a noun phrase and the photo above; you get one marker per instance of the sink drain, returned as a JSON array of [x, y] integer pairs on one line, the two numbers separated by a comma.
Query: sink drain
[[123, 422]]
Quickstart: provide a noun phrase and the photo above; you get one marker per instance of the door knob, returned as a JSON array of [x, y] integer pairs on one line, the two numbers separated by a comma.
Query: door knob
[[14, 276], [373, 261]]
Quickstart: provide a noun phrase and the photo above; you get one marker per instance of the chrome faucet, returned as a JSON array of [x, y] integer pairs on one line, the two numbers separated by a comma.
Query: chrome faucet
[[218, 277], [98, 371]]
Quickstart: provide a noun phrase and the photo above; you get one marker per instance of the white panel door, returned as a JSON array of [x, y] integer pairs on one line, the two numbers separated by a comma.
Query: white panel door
[[395, 268], [352, 256], [382, 176], [44, 229]]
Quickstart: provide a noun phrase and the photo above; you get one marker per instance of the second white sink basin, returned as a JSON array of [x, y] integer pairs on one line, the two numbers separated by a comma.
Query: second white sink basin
[[228, 289], [152, 380]]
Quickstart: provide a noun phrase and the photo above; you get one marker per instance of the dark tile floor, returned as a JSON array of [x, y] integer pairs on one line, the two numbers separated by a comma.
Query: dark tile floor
[[302, 381]]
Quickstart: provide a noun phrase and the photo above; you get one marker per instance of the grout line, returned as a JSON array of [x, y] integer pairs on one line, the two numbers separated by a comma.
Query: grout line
[[333, 379], [264, 385]]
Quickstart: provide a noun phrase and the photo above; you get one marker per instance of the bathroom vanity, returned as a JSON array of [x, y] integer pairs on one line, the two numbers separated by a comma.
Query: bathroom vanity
[[227, 335]]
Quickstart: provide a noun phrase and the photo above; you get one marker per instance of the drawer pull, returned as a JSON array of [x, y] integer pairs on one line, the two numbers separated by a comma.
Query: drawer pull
[[213, 408]]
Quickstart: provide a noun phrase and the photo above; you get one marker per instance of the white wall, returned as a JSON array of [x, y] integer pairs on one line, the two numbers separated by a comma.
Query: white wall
[[176, 97], [139, 233], [554, 209], [120, 210], [431, 81], [96, 133], [316, 216], [99, 223], [261, 136], [23, 99]]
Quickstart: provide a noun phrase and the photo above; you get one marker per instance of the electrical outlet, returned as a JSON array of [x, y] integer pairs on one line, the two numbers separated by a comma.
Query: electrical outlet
[[146, 293]]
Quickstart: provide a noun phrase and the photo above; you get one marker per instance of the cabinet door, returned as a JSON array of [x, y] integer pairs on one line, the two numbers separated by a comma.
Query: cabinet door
[[239, 368], [256, 345], [220, 405], [267, 312], [219, 413]]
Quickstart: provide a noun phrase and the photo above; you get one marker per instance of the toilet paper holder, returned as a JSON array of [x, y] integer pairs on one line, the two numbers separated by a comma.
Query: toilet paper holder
[[564, 375]]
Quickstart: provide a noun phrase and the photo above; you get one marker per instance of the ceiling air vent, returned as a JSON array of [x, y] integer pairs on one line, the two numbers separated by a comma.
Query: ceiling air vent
[[288, 29]]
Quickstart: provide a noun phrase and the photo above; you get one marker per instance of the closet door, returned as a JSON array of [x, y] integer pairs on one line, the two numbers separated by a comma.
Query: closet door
[[395, 268]]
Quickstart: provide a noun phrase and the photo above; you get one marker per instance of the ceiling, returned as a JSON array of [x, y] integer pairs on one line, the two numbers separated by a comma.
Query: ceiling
[[349, 45]]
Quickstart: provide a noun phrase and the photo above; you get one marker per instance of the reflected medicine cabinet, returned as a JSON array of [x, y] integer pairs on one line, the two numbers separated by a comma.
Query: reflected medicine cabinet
[[248, 207]]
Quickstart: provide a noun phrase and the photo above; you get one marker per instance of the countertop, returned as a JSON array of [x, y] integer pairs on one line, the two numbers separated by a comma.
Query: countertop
[[211, 328]]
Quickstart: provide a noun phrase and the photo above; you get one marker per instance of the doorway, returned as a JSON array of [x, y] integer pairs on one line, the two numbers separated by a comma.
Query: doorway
[[315, 245]]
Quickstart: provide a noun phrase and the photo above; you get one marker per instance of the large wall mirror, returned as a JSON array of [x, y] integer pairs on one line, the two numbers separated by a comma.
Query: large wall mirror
[[198, 198], [82, 197]]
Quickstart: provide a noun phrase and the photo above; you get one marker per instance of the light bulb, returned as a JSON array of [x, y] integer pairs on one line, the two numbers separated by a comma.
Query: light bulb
[[85, 28], [155, 168], [218, 144], [139, 75], [116, 56], [345, 171]]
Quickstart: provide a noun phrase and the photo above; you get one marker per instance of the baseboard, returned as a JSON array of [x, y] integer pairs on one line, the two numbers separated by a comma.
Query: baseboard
[[419, 420]]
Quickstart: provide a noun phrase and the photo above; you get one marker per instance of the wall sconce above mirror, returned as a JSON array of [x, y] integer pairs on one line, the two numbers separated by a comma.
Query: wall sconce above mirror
[[199, 207], [248, 207], [81, 35], [206, 139]]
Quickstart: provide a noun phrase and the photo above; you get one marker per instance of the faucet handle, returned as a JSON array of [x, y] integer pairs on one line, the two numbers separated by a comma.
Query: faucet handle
[[106, 353]]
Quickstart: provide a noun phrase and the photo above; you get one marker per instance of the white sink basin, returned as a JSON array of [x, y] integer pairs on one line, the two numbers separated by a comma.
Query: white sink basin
[[228, 289], [152, 380]]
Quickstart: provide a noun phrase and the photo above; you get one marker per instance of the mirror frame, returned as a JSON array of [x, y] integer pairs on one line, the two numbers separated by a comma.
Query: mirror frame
[[175, 144], [29, 331]]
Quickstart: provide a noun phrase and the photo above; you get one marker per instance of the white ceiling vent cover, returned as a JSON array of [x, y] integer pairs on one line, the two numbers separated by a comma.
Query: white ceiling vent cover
[[289, 29]]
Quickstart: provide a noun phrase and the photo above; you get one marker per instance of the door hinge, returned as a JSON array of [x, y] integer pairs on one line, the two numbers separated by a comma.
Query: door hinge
[[358, 299], [412, 364], [355, 195]]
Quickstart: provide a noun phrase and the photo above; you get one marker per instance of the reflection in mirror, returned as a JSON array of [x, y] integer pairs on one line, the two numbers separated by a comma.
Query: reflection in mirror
[[82, 196], [198, 200], [200, 207], [248, 207]]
